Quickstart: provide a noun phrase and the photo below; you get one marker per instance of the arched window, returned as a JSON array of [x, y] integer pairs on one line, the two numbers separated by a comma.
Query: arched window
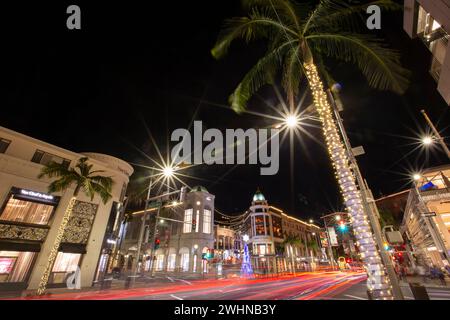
[[207, 221]]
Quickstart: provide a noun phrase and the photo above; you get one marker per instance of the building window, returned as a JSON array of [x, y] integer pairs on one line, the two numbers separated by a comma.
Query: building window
[[159, 262], [65, 264], [197, 220], [27, 212], [171, 262], [259, 226], [45, 158], [206, 221], [185, 262], [187, 226], [15, 265], [4, 144], [276, 227]]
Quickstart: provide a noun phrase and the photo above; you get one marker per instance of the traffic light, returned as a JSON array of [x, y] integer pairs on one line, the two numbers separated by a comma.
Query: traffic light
[[194, 224], [157, 243], [342, 226]]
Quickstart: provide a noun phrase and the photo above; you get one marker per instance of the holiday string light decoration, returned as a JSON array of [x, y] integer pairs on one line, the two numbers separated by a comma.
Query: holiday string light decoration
[[53, 253], [377, 282]]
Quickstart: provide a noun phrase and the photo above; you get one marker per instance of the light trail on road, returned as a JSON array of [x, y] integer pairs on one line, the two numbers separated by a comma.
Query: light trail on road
[[303, 286]]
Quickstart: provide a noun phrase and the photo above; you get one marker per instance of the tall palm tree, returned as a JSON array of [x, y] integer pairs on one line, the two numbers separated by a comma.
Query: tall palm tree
[[300, 38], [89, 181]]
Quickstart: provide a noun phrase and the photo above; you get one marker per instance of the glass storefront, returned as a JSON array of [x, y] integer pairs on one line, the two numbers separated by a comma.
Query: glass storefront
[[15, 265], [18, 210], [65, 264]]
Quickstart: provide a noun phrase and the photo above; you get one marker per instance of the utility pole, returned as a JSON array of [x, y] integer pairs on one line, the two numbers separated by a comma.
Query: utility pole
[[330, 248], [370, 210], [437, 134]]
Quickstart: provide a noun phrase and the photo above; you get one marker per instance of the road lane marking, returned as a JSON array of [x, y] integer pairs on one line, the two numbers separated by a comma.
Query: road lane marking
[[170, 279], [185, 281], [355, 297], [175, 297]]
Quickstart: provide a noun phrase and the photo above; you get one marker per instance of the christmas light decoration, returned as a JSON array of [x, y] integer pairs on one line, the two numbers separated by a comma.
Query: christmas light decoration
[[377, 282], [54, 252]]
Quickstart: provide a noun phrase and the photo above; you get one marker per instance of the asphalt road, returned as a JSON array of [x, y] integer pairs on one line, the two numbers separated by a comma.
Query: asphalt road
[[305, 286]]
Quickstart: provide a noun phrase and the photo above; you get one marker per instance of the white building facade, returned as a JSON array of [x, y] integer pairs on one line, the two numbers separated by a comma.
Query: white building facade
[[30, 217], [430, 21]]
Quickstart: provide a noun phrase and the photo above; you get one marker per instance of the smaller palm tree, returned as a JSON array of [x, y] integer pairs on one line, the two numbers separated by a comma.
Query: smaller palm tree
[[292, 241], [89, 181]]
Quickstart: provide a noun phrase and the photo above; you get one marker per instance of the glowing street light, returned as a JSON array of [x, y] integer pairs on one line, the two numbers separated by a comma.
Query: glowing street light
[[416, 177], [291, 121], [311, 221], [338, 218], [427, 140], [245, 237], [168, 171]]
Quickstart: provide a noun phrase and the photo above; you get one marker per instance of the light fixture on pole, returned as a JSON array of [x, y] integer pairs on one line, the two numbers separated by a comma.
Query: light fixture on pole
[[417, 176], [291, 121], [427, 140]]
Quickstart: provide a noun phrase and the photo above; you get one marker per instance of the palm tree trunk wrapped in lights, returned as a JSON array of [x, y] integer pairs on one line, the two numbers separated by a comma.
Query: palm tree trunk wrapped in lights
[[54, 252], [377, 282], [301, 37]]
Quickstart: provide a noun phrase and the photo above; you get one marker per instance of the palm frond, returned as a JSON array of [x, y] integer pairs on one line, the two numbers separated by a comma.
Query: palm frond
[[292, 73], [259, 24], [102, 191], [287, 10], [379, 64], [342, 15], [52, 170], [262, 73]]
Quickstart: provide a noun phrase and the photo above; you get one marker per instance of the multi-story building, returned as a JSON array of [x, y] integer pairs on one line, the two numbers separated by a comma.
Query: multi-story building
[[183, 243], [430, 21], [268, 228], [426, 222], [30, 217]]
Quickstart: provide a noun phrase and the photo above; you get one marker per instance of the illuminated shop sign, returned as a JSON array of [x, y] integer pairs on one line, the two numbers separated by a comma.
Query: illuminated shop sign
[[34, 195]]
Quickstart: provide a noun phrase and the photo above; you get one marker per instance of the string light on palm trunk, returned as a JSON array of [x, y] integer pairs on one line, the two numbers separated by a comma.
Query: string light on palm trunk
[[377, 283]]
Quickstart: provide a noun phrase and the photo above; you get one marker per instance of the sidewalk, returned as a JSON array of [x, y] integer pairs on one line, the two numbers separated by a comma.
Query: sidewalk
[[428, 283]]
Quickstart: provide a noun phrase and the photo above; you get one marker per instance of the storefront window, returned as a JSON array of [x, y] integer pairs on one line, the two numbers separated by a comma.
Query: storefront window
[[15, 265], [259, 226], [65, 263], [185, 262], [25, 211]]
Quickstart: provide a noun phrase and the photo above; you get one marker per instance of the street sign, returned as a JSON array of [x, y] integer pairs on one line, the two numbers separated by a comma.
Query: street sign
[[358, 151], [333, 237], [429, 214]]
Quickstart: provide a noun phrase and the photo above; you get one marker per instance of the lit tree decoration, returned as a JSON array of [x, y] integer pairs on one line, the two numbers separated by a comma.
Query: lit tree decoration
[[378, 282], [54, 252], [246, 268]]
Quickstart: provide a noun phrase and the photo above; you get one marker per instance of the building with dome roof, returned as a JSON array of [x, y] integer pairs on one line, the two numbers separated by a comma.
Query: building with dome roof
[[268, 228]]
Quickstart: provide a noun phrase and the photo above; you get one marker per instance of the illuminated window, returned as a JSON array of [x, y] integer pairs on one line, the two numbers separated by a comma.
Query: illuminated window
[[187, 226], [206, 221], [65, 264], [197, 220], [259, 226], [15, 265], [26, 211]]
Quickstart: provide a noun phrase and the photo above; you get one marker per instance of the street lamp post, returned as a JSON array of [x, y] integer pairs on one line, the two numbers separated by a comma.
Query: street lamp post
[[437, 134]]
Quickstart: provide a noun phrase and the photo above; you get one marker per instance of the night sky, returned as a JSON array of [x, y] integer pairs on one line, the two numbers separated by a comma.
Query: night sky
[[133, 67]]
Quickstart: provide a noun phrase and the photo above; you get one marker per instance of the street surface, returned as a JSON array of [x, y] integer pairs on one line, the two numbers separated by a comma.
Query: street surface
[[304, 286]]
